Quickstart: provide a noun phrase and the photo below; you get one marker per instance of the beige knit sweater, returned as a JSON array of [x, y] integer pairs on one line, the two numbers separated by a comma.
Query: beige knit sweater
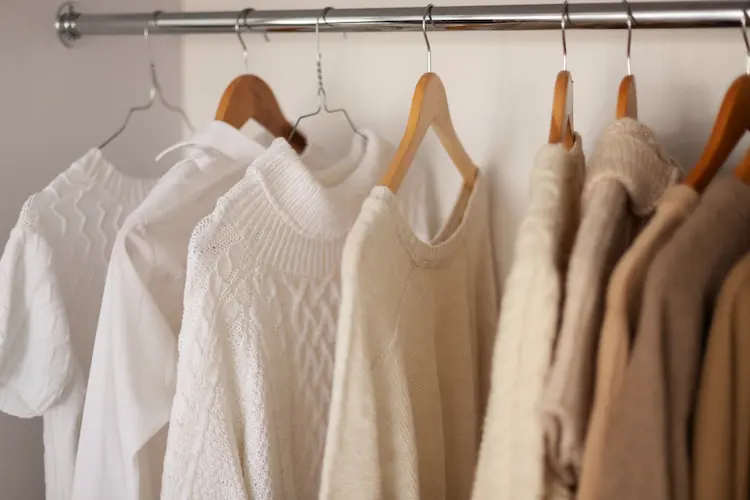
[[620, 321], [415, 333], [511, 463], [647, 457], [627, 175], [721, 430]]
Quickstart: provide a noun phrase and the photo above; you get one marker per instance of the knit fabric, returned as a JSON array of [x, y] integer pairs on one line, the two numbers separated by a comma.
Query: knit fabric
[[721, 430], [511, 463], [257, 340], [620, 321], [646, 456], [627, 176], [51, 280], [130, 393], [414, 345]]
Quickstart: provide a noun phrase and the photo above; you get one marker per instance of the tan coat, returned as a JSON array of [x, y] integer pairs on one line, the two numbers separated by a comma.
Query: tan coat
[[721, 432], [647, 457], [620, 321]]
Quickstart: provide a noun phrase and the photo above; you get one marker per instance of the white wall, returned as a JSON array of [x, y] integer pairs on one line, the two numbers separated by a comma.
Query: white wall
[[56, 103], [499, 86]]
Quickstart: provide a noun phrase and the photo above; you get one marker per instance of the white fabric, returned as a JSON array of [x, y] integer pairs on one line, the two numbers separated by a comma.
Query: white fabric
[[130, 392], [512, 460], [51, 280], [257, 340], [414, 342]]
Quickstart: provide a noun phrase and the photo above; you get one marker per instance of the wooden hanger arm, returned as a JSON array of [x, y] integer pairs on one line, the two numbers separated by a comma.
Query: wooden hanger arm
[[731, 124], [561, 126], [627, 99]]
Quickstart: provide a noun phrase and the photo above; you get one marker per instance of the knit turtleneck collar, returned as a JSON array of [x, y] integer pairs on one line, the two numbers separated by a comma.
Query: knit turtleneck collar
[[628, 153], [97, 170], [322, 204]]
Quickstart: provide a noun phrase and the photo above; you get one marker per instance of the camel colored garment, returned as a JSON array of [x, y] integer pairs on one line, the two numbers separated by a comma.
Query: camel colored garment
[[621, 319], [646, 457], [721, 431], [511, 460], [627, 176]]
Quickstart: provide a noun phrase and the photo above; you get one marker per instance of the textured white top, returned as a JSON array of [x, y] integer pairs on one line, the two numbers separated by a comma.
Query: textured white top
[[414, 342], [257, 340], [512, 464], [51, 281]]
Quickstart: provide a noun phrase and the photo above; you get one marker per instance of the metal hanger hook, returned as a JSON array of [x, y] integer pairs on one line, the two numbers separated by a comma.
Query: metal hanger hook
[[242, 15], [155, 87], [428, 12], [322, 96], [631, 23], [564, 17], [744, 37]]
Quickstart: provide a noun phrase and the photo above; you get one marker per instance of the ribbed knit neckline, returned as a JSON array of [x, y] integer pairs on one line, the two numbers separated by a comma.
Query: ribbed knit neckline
[[321, 205], [99, 171], [468, 216]]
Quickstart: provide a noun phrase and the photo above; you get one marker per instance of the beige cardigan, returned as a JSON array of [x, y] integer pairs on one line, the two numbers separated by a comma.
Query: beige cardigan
[[721, 430], [620, 320], [627, 175], [511, 461], [646, 457]]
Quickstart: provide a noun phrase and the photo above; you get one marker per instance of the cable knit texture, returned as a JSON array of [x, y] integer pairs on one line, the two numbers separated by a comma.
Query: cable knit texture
[[721, 429], [414, 343], [627, 176], [51, 280], [257, 341], [647, 452], [129, 398], [511, 463], [620, 321]]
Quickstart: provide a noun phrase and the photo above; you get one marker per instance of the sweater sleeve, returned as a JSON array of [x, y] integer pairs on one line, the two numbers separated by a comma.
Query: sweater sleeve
[[35, 351], [203, 457]]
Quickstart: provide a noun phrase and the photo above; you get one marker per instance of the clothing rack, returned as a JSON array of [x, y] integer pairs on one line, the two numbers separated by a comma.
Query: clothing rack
[[72, 25]]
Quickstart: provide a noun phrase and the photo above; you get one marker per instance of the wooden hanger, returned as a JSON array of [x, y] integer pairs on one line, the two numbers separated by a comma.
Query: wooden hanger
[[248, 97], [731, 124], [429, 109], [627, 97], [561, 130], [742, 172]]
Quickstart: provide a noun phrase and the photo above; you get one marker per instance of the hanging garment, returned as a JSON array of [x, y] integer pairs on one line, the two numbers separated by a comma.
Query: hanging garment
[[646, 456], [414, 344], [51, 280], [257, 342], [511, 463], [626, 177], [130, 391], [721, 429], [620, 321]]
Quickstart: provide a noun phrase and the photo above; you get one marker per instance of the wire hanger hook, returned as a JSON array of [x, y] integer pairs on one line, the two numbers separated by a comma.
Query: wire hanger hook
[[155, 87], [564, 18], [242, 15], [428, 12], [747, 43], [631, 23]]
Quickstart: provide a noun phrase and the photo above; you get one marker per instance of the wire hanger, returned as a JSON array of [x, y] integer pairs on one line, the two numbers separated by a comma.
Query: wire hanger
[[627, 98], [429, 109], [154, 93], [322, 96], [731, 124], [561, 129], [248, 97]]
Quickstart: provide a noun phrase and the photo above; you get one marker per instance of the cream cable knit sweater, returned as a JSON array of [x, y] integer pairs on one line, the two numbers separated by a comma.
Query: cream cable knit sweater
[[512, 465], [257, 340], [51, 280], [413, 347], [627, 176]]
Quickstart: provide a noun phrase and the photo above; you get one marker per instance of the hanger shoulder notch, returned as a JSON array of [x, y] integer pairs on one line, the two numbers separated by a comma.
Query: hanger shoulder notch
[[627, 99], [429, 109], [561, 125], [731, 124], [248, 97]]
